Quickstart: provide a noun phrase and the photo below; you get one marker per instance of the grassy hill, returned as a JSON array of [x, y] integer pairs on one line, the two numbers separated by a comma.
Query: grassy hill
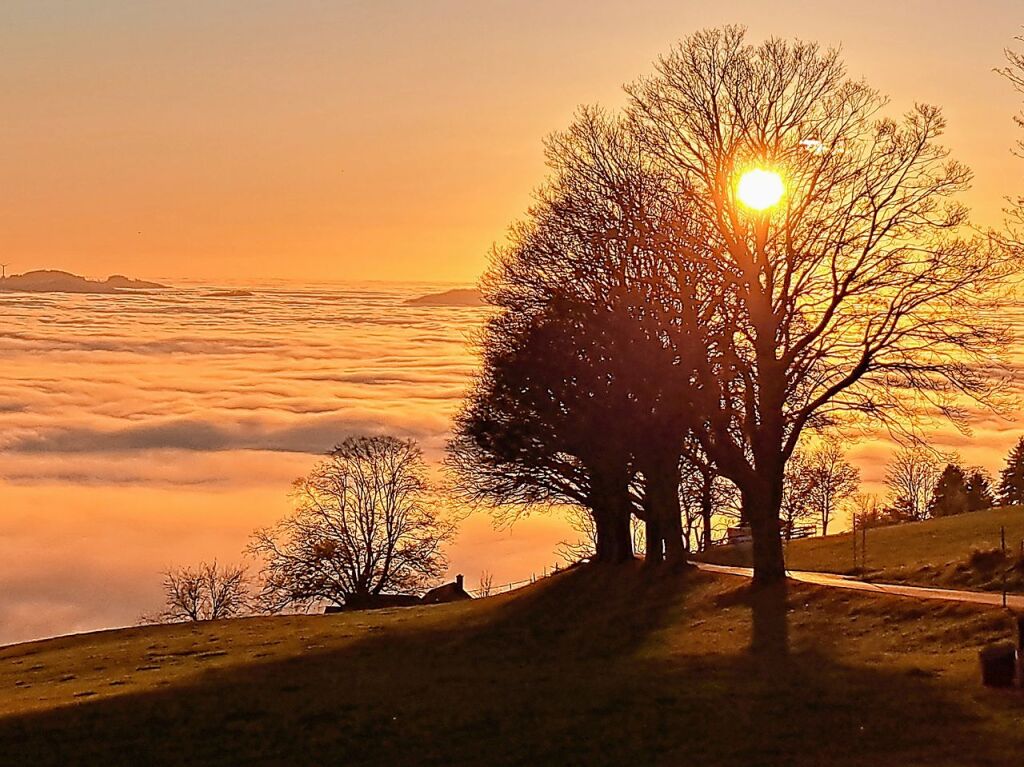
[[593, 666], [954, 552]]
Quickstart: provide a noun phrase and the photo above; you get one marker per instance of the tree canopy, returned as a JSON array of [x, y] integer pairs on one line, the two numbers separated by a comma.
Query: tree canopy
[[642, 305]]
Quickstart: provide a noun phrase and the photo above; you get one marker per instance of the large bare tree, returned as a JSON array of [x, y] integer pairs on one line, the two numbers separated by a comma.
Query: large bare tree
[[1014, 73], [589, 288], [860, 295], [365, 523], [539, 425]]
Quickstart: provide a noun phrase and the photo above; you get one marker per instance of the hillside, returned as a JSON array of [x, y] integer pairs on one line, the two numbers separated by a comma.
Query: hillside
[[56, 281], [454, 297], [954, 552], [593, 666]]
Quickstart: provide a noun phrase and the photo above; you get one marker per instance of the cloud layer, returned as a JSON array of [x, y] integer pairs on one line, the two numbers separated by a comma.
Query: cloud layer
[[142, 431], [122, 415]]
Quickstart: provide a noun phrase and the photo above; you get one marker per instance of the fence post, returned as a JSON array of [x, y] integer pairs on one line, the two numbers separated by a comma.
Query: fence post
[[853, 534], [863, 547], [1002, 544]]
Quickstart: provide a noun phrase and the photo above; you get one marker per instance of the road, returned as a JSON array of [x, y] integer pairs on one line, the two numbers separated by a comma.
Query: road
[[893, 589]]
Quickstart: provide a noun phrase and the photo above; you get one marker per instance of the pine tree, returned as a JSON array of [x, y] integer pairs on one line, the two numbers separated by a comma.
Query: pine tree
[[950, 494], [979, 491], [1011, 479]]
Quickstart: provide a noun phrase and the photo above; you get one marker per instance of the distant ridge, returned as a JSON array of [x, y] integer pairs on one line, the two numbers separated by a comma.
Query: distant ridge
[[229, 294], [56, 281], [455, 297]]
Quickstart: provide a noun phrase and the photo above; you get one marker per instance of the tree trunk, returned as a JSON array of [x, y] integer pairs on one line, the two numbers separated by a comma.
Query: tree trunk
[[614, 538], [662, 500], [603, 532], [612, 510], [761, 503], [654, 542], [672, 529], [621, 548], [706, 510]]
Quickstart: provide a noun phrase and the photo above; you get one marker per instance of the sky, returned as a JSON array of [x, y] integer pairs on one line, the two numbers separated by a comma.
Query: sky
[[385, 140]]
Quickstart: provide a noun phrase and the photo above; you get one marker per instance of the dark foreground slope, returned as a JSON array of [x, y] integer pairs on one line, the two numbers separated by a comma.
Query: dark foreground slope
[[591, 667]]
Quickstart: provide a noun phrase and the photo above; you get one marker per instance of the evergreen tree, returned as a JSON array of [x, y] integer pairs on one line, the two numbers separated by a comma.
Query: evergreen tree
[[979, 491], [1011, 479], [950, 494]]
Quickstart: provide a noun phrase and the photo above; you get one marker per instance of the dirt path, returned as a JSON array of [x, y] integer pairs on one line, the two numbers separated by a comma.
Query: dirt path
[[1015, 602]]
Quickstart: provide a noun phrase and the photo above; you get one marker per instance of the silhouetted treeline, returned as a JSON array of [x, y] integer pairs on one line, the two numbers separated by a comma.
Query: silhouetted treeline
[[652, 328]]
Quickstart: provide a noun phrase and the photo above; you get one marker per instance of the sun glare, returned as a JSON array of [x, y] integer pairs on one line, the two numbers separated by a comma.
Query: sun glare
[[760, 189]]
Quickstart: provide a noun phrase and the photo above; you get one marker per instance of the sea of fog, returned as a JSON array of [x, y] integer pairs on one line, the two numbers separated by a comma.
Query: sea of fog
[[154, 429], [143, 431]]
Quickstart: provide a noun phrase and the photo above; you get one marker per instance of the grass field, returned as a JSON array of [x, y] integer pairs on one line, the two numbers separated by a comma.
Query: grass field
[[954, 552], [591, 667]]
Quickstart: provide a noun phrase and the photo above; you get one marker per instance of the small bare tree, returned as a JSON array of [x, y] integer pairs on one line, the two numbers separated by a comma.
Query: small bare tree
[[364, 524], [584, 545], [833, 481], [797, 489], [486, 584], [911, 477], [205, 593], [705, 497]]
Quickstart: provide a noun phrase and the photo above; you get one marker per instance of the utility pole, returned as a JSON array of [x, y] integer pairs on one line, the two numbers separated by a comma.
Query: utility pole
[[853, 535], [863, 546]]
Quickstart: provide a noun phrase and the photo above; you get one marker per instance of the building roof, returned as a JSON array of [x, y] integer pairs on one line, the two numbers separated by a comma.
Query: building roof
[[449, 592]]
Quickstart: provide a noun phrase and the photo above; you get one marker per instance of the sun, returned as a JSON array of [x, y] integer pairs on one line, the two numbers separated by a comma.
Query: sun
[[760, 189]]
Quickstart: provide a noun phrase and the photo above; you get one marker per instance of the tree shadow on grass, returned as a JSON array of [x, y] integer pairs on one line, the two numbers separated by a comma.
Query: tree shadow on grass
[[583, 669]]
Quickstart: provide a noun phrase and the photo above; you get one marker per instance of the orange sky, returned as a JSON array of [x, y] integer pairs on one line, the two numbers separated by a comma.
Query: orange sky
[[383, 140]]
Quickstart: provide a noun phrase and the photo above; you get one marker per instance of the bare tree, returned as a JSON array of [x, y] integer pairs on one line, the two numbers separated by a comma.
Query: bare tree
[[833, 481], [584, 545], [797, 490], [207, 592], [365, 523], [1014, 72], [486, 584], [870, 512], [705, 496], [859, 296], [911, 478]]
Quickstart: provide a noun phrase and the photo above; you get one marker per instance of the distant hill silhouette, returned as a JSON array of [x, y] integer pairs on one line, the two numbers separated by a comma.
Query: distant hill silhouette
[[56, 281], [455, 297], [229, 294]]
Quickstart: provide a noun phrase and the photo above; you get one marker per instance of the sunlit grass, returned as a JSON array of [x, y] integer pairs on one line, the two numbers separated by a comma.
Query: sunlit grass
[[590, 667]]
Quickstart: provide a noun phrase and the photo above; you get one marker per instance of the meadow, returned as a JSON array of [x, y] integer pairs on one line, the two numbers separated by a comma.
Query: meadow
[[593, 666]]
